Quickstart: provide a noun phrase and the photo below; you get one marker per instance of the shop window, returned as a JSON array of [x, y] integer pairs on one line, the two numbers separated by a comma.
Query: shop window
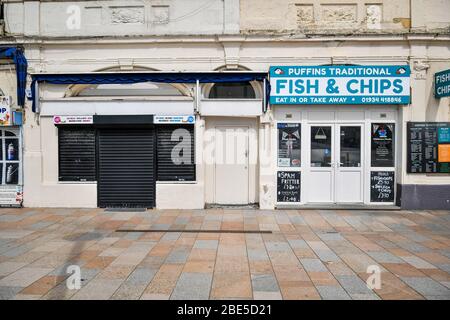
[[320, 146], [289, 144], [382, 144], [9, 157], [232, 91], [175, 160], [77, 154]]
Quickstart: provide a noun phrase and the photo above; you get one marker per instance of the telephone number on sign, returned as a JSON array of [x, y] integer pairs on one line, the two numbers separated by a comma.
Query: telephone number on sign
[[381, 100]]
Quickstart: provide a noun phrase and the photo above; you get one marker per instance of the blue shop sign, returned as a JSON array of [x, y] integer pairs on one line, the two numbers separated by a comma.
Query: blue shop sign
[[340, 84], [442, 84]]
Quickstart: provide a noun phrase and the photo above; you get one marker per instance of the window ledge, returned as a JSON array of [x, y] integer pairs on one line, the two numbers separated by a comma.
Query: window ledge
[[77, 182], [176, 182]]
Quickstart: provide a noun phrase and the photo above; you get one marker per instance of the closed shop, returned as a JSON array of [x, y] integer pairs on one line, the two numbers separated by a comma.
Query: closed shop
[[125, 155]]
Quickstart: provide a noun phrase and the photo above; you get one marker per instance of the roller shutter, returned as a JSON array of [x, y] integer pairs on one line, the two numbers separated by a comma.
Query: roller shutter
[[126, 168], [181, 138], [76, 154]]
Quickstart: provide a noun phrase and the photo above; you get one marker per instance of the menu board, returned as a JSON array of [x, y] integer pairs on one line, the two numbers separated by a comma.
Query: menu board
[[428, 147], [288, 144], [288, 186], [382, 186], [382, 145]]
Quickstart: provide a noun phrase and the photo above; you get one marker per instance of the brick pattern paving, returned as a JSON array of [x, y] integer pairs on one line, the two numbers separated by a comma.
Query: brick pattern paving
[[310, 254]]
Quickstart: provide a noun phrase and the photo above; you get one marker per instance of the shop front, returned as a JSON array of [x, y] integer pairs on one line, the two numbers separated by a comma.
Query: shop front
[[337, 130], [137, 140], [13, 72], [10, 155]]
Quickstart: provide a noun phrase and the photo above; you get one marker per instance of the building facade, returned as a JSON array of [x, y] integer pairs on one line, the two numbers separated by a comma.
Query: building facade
[[122, 85]]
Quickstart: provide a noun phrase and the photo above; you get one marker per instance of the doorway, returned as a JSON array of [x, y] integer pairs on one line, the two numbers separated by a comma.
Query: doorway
[[126, 168], [335, 170], [230, 155], [231, 165]]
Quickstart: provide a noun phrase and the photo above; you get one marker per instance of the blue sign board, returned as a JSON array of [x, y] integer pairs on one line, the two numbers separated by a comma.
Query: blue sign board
[[442, 84], [444, 134], [339, 84]]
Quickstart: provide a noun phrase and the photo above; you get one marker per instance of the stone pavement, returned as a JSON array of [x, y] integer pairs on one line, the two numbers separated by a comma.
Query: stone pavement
[[310, 254]]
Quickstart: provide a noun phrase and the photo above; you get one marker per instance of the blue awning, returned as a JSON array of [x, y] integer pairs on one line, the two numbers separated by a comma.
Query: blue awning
[[17, 56], [136, 77]]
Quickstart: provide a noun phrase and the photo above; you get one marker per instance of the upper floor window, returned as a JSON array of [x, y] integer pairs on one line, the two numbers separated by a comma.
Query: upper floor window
[[232, 91], [135, 89]]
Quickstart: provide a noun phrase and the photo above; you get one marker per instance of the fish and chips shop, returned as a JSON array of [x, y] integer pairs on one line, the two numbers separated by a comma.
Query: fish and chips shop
[[338, 133]]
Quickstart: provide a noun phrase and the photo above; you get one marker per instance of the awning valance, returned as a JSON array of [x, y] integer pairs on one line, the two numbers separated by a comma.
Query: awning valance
[[17, 56], [136, 77]]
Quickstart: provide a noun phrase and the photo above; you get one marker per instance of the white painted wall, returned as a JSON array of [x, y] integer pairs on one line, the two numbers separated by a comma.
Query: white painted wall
[[268, 34]]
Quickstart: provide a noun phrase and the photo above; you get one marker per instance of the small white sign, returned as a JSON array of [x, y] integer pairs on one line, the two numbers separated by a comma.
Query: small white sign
[[190, 119], [73, 119]]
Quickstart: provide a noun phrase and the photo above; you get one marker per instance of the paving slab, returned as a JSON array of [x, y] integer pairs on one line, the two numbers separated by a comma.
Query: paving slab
[[309, 254]]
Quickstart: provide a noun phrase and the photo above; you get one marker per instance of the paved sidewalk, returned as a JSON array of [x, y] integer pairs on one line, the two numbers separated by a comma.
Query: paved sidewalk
[[310, 254]]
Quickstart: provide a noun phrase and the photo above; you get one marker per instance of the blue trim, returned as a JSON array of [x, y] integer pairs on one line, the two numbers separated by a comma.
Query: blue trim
[[129, 78], [16, 54]]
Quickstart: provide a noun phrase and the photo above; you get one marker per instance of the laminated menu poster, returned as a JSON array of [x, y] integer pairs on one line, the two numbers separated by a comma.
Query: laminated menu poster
[[382, 145], [428, 147], [288, 186], [289, 144], [382, 186]]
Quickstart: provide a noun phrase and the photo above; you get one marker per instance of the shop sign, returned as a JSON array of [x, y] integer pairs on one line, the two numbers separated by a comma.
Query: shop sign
[[339, 84], [442, 84], [289, 144], [382, 145], [288, 186], [5, 111], [382, 186], [428, 146], [73, 120], [190, 119]]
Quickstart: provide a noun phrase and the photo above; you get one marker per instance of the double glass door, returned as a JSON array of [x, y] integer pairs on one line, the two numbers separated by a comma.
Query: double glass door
[[335, 167]]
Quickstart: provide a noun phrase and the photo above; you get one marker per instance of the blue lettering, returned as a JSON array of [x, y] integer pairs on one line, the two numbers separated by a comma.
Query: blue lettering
[[281, 84], [366, 86], [398, 88], [384, 84], [314, 86], [299, 88], [349, 86]]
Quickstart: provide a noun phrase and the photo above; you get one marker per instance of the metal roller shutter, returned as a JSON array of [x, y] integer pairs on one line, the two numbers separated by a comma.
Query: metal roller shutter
[[126, 168], [167, 169], [76, 154]]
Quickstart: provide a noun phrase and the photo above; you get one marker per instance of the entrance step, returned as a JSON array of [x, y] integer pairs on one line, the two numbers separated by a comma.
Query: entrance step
[[125, 209], [231, 206], [339, 207]]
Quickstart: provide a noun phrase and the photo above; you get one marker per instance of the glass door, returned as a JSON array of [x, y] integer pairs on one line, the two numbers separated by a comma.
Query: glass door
[[349, 171], [320, 182]]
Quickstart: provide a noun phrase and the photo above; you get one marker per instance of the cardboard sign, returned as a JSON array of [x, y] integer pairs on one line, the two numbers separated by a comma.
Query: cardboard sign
[[340, 84]]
